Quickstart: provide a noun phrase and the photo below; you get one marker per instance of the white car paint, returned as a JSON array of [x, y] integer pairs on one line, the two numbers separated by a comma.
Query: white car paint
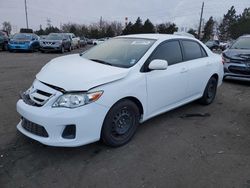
[[75, 43], [86, 74], [158, 91]]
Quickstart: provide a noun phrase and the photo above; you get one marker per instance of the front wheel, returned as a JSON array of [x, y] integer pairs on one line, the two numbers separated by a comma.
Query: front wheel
[[62, 49], [5, 46], [120, 123], [210, 92], [69, 48]]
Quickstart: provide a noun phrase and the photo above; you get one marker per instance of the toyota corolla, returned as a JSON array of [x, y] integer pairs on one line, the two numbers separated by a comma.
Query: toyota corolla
[[107, 91]]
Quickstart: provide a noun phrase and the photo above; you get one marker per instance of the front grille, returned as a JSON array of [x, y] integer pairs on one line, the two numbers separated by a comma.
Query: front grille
[[34, 128], [49, 43], [36, 98], [26, 98], [239, 70], [236, 61], [18, 42]]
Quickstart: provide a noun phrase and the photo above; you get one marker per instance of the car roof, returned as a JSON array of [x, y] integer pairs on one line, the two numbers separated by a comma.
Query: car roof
[[156, 36]]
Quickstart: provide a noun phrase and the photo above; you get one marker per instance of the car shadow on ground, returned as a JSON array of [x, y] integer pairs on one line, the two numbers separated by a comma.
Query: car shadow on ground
[[238, 82]]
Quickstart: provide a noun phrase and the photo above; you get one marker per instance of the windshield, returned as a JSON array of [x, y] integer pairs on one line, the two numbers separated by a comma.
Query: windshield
[[120, 52], [22, 36], [242, 43], [54, 37]]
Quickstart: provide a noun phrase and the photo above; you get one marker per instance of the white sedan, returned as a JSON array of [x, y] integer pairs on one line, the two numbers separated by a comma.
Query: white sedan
[[107, 91]]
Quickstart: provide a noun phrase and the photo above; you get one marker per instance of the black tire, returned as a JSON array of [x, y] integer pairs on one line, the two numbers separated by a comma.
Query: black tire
[[5, 46], [62, 49], [69, 48], [120, 123], [209, 92], [32, 49]]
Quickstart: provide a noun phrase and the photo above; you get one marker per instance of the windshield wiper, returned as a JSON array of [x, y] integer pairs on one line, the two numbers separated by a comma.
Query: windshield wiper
[[102, 62]]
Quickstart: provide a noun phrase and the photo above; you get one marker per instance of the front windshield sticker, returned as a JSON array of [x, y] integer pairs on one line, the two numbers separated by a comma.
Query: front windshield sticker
[[140, 42], [133, 61]]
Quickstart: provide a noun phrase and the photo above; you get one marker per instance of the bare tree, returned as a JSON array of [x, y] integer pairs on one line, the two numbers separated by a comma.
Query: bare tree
[[6, 26]]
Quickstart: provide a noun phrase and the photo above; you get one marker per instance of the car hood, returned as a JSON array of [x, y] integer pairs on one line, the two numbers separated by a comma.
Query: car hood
[[75, 73], [238, 54]]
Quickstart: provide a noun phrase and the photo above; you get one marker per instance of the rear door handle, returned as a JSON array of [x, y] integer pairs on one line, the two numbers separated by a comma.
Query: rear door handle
[[184, 69]]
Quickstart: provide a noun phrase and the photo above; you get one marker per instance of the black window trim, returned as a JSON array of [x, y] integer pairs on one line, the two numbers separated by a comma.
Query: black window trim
[[201, 48], [144, 67]]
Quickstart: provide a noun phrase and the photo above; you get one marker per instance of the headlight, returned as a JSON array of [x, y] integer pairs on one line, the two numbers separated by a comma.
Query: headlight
[[58, 43], [225, 60], [74, 100]]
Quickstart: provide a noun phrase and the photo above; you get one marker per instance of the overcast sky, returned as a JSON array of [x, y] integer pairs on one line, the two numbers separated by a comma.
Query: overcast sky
[[185, 13]]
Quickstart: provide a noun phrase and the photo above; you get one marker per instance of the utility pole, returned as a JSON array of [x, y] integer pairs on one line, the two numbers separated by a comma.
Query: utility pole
[[26, 13], [199, 30]]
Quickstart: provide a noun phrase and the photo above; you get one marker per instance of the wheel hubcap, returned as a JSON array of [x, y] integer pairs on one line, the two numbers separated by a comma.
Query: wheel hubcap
[[122, 122]]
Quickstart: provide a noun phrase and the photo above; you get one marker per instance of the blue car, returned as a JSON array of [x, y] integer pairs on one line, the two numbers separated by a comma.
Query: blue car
[[24, 42]]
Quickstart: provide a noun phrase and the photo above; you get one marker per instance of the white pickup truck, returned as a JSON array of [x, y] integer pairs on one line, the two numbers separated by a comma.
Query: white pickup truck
[[75, 41]]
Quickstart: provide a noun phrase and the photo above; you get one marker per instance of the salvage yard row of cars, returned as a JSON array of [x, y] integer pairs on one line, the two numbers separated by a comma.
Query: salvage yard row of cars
[[59, 42]]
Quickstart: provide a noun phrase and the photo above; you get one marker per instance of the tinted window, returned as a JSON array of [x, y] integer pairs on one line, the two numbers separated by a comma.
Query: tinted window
[[203, 52], [170, 51], [242, 43], [192, 50]]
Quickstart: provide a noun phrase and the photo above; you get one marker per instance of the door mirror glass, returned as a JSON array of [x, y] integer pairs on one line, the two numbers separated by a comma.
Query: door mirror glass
[[158, 64]]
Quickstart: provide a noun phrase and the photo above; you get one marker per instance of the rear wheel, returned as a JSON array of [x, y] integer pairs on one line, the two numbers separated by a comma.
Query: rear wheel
[[120, 123], [210, 92]]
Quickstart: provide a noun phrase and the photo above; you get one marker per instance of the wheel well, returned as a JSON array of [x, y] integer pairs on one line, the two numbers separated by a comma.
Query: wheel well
[[215, 76], [137, 102]]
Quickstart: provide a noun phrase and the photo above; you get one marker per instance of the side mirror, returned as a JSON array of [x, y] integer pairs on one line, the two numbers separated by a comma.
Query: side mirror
[[158, 64]]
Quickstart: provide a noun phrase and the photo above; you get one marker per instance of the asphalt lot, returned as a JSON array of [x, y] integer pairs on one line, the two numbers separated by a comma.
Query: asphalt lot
[[192, 146]]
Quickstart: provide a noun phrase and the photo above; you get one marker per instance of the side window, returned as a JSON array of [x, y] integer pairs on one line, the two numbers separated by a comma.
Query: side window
[[170, 51], [203, 52], [192, 50]]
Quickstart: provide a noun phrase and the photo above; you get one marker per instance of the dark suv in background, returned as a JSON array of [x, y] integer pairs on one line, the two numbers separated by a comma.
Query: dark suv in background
[[4, 39], [56, 42], [213, 44], [236, 59]]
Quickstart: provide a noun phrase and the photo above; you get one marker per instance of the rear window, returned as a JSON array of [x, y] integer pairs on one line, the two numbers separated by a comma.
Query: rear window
[[193, 50]]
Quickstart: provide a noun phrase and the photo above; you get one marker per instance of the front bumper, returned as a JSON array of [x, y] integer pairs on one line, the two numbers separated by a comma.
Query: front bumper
[[87, 119], [237, 71], [51, 48], [25, 46]]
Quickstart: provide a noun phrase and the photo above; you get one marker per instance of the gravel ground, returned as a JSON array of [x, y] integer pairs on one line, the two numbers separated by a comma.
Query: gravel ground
[[192, 146]]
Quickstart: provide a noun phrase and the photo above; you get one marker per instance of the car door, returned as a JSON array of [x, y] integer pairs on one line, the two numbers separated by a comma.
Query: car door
[[168, 87], [198, 66]]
